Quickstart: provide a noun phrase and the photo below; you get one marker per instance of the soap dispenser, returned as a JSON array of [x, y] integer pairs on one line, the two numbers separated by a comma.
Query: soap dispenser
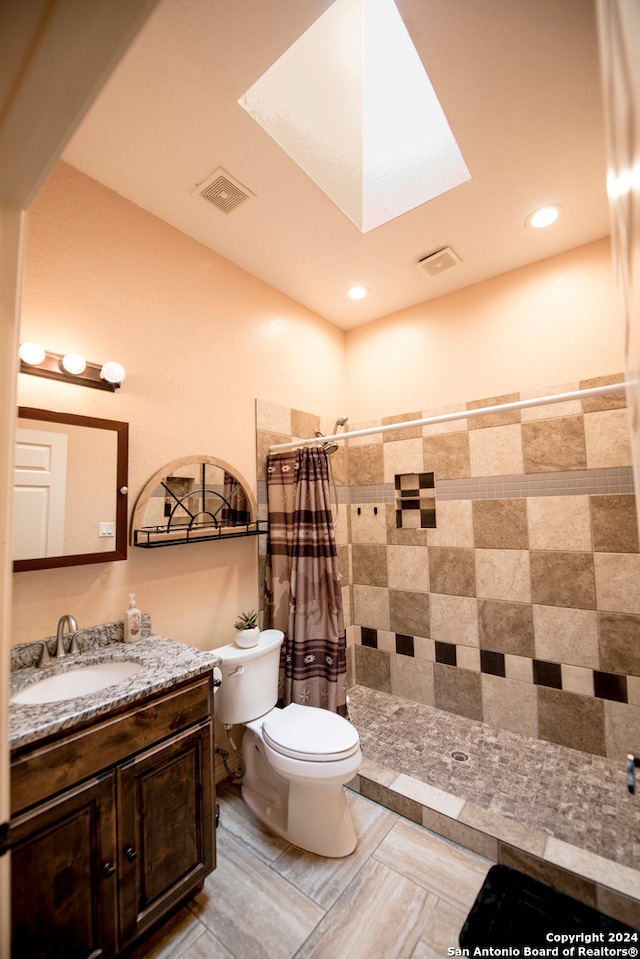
[[132, 621]]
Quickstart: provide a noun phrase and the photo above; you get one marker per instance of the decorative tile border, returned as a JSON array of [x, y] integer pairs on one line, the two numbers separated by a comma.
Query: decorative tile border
[[611, 686], [593, 482]]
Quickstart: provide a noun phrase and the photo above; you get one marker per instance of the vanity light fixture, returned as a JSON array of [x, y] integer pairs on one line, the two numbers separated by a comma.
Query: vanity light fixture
[[545, 216], [357, 292], [69, 368]]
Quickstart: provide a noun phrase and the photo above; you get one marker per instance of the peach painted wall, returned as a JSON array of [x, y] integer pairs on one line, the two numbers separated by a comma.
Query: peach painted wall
[[200, 340], [556, 321]]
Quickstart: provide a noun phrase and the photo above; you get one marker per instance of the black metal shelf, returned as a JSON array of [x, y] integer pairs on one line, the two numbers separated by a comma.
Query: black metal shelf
[[154, 537]]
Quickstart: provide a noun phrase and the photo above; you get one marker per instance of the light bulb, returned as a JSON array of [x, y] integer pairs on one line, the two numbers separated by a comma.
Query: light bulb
[[544, 217], [112, 372], [31, 353], [357, 292], [74, 363]]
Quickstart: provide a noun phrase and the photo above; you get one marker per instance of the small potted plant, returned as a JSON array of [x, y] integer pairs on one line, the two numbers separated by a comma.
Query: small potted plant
[[247, 630]]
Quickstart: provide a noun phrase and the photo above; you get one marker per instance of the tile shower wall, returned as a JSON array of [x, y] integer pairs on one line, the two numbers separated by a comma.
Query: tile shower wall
[[522, 607]]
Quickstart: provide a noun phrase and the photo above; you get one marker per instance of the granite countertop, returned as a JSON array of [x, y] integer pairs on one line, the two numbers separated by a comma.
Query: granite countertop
[[164, 663]]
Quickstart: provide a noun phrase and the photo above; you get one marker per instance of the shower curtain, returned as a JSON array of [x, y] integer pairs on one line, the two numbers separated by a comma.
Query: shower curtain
[[302, 580]]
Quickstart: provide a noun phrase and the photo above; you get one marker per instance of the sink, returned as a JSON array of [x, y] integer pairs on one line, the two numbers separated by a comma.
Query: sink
[[77, 682]]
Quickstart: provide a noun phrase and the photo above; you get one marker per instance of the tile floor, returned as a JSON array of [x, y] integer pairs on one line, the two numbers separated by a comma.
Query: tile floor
[[403, 894]]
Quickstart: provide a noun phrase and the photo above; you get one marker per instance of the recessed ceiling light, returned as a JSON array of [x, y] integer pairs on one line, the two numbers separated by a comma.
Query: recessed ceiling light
[[545, 216], [357, 292]]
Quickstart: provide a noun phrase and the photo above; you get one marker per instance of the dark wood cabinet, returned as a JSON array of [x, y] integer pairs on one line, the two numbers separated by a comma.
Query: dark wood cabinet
[[165, 828], [97, 863], [63, 875]]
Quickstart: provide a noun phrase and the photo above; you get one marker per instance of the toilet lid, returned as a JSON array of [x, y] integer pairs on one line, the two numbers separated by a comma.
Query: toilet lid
[[309, 733]]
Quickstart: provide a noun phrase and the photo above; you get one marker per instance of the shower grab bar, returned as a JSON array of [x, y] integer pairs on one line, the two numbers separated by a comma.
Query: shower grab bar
[[462, 415]]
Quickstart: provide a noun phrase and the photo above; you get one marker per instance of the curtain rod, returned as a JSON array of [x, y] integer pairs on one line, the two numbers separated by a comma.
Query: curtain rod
[[461, 415]]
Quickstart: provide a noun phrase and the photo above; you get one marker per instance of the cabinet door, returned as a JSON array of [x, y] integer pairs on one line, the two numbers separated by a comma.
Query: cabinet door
[[165, 827], [63, 881]]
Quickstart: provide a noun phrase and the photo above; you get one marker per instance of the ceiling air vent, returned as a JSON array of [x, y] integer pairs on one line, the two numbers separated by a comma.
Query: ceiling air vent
[[223, 191], [438, 262]]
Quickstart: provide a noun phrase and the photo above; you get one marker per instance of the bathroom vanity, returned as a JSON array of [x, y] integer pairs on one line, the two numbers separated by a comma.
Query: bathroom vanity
[[112, 799]]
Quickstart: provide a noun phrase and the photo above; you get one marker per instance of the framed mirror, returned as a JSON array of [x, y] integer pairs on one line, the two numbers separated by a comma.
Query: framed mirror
[[70, 490]]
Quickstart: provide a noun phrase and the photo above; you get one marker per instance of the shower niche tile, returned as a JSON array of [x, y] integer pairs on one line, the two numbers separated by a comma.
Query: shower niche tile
[[415, 500]]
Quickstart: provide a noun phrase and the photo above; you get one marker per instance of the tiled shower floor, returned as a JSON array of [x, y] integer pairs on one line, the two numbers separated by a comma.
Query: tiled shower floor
[[550, 790]]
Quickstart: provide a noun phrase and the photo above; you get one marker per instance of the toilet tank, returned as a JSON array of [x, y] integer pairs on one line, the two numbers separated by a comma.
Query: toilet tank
[[249, 686]]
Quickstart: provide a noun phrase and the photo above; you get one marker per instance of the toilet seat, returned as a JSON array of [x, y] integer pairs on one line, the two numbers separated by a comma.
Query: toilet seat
[[310, 734]]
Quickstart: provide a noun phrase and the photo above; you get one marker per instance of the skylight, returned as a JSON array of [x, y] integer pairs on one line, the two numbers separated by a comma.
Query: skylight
[[351, 103]]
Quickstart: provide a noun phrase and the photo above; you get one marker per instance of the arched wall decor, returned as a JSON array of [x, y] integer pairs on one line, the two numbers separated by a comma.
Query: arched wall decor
[[194, 499]]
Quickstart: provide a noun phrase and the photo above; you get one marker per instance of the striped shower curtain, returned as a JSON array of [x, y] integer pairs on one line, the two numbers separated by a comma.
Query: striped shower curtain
[[302, 580]]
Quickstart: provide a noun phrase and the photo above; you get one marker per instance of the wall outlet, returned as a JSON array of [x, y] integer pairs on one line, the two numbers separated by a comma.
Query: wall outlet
[[106, 529]]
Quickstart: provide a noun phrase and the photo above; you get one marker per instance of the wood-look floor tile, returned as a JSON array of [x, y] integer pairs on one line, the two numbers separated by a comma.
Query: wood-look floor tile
[[452, 873], [441, 931], [250, 908], [323, 880], [238, 820], [208, 947], [173, 939], [379, 916]]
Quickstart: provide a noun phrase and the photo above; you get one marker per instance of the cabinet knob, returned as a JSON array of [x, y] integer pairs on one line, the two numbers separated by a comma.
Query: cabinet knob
[[131, 854], [108, 869]]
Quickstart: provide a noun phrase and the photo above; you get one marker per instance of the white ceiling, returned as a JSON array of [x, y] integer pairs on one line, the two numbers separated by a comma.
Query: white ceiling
[[519, 84]]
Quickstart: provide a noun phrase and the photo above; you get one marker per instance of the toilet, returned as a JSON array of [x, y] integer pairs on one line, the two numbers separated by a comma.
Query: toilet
[[297, 759]]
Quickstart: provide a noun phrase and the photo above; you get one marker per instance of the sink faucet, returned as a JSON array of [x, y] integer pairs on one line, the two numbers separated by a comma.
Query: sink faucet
[[73, 627]]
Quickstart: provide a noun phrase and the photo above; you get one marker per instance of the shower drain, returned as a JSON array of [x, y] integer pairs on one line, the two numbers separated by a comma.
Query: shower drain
[[460, 756]]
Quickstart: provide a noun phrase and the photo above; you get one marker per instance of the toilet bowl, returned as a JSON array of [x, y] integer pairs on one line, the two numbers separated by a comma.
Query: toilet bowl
[[297, 759]]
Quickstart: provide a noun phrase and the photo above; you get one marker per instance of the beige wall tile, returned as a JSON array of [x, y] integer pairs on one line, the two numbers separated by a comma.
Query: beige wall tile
[[500, 524], [304, 425], [519, 668], [563, 579], [566, 635], [457, 691], [366, 465], [607, 439], [404, 456], [618, 582], [386, 640], [611, 401], [409, 612], [615, 523], [503, 574], [424, 648], [506, 627], [454, 521], [454, 619], [510, 705], [554, 445], [364, 440], [447, 456], [412, 679], [368, 527], [571, 720], [559, 522], [633, 690], [369, 565], [620, 643], [489, 420], [453, 426], [468, 657], [496, 451], [373, 668], [577, 679], [408, 433], [622, 729], [408, 565], [452, 571], [273, 418], [553, 410], [371, 606]]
